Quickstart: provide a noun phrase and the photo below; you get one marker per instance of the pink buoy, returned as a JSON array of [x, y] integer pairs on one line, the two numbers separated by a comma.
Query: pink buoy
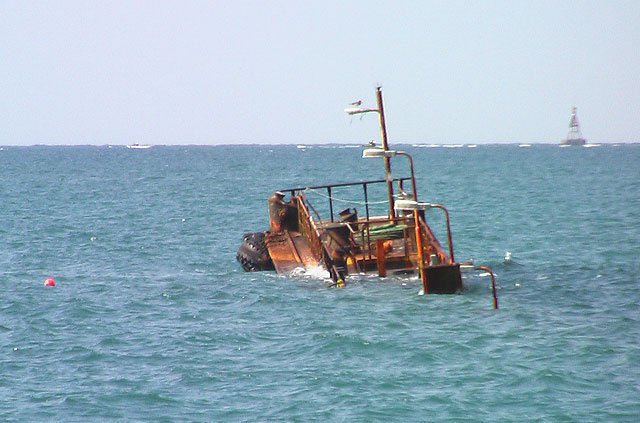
[[49, 282]]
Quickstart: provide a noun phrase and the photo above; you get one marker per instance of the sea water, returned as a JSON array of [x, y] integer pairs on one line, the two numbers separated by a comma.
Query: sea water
[[152, 319]]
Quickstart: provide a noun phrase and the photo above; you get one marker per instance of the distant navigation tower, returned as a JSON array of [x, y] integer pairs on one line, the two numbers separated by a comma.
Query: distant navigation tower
[[574, 137]]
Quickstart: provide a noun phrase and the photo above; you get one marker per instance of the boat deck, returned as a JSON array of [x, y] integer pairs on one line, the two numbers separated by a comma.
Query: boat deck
[[289, 250]]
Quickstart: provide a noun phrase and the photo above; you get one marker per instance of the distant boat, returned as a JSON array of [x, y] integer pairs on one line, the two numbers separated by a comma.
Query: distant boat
[[425, 145], [139, 146], [574, 137], [524, 145]]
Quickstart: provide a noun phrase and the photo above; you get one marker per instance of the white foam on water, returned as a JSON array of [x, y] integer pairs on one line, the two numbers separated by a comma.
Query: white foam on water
[[317, 272]]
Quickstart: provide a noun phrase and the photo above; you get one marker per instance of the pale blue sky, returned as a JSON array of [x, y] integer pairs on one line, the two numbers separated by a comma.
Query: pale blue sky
[[229, 72]]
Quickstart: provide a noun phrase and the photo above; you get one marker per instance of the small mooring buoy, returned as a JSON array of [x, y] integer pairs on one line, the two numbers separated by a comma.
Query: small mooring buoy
[[49, 281]]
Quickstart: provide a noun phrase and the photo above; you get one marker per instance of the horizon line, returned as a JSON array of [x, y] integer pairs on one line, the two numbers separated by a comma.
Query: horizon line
[[411, 143]]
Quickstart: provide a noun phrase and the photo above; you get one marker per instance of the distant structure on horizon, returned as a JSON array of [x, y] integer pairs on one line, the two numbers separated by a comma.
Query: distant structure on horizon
[[574, 137]]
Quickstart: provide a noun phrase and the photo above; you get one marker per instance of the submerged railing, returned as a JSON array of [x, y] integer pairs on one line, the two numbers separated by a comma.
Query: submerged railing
[[312, 236], [330, 188], [366, 225]]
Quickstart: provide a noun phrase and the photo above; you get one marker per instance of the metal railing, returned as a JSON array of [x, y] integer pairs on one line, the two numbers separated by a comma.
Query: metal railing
[[493, 283], [330, 188], [312, 236]]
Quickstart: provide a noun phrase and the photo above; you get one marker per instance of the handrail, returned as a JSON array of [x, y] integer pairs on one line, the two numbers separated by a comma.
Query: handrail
[[315, 243], [493, 283], [364, 224], [345, 184], [309, 205], [304, 201], [329, 187], [449, 237], [433, 241]]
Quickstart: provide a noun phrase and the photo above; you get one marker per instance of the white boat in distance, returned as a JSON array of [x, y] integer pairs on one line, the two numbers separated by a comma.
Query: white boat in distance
[[139, 146], [574, 137]]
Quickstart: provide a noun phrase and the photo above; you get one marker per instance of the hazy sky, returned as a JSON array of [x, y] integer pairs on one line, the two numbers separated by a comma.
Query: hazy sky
[[228, 72]]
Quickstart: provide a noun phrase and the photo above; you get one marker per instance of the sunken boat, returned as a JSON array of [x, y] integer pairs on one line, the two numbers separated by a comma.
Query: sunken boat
[[354, 241]]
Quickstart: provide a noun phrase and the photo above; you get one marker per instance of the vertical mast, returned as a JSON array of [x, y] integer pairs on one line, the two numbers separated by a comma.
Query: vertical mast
[[385, 147], [355, 110]]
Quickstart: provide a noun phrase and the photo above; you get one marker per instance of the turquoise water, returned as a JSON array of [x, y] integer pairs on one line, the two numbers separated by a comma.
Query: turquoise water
[[152, 319]]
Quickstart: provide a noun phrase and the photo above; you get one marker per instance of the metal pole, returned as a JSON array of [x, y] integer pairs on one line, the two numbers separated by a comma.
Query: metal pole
[[330, 202], [423, 274], [418, 231], [365, 231], [449, 237], [385, 147], [493, 284], [413, 176], [366, 200]]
